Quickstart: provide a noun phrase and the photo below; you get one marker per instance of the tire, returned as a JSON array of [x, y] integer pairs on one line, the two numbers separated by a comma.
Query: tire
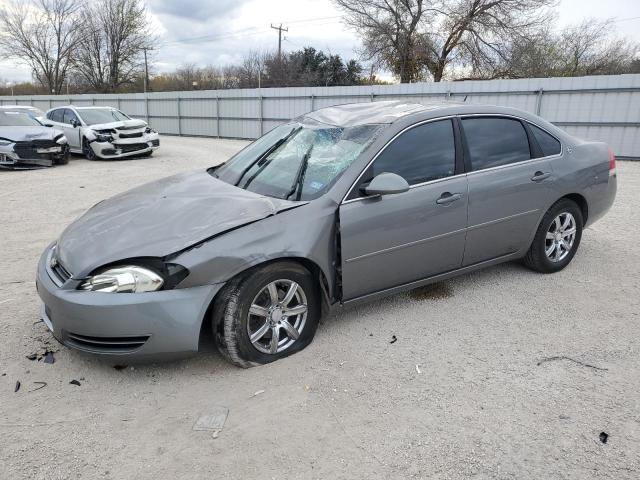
[[88, 151], [63, 160], [232, 319], [550, 255]]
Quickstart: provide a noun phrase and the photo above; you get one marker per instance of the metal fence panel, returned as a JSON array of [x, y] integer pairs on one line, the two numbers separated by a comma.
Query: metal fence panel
[[605, 108]]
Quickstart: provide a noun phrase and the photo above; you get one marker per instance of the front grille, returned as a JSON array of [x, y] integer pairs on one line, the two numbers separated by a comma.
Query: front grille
[[28, 150], [132, 147], [131, 135], [105, 344], [60, 272], [57, 272]]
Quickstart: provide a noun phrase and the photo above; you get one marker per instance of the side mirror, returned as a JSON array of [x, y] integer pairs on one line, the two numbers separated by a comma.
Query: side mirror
[[386, 184], [75, 123], [48, 125]]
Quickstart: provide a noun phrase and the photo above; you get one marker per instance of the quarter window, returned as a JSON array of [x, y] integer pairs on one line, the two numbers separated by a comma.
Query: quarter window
[[423, 153], [548, 144], [494, 142]]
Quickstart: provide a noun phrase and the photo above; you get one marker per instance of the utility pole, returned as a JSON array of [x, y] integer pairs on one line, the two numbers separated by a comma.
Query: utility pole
[[146, 70], [280, 30]]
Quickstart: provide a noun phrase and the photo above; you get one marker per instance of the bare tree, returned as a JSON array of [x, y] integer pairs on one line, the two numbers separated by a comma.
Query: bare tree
[[43, 34], [116, 34], [418, 37], [391, 31], [589, 48]]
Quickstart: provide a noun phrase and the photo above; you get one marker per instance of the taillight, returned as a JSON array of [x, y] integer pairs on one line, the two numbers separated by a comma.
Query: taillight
[[612, 163]]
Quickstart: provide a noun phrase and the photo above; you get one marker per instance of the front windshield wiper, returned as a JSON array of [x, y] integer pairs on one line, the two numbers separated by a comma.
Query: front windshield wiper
[[298, 182], [260, 158]]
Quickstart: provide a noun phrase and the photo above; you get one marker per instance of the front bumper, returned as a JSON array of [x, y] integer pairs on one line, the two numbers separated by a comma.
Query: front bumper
[[147, 326], [23, 157], [126, 147]]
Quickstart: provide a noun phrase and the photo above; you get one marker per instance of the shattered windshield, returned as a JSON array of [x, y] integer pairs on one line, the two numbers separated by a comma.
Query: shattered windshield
[[17, 119], [296, 161], [93, 116]]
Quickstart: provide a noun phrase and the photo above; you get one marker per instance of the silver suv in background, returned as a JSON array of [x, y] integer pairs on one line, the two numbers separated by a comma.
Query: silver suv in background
[[103, 132]]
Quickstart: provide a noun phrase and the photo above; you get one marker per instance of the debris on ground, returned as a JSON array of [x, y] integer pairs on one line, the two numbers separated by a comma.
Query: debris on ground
[[17, 386], [46, 345], [562, 357], [434, 291], [604, 437], [394, 339], [259, 392], [32, 356], [119, 367], [74, 382], [213, 421], [418, 369], [49, 358], [41, 385]]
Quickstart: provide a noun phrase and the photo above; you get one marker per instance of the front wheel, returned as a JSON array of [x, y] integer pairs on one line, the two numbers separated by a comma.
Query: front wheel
[[557, 238], [88, 151], [270, 313]]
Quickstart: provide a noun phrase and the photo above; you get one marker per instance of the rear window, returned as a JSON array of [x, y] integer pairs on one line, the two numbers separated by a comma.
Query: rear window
[[494, 142], [548, 144]]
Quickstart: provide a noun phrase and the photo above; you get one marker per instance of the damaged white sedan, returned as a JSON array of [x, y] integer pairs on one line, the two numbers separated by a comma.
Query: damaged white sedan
[[103, 133]]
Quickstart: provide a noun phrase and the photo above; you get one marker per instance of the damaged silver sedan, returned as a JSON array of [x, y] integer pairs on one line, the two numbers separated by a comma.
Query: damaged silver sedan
[[342, 205], [25, 143], [104, 133]]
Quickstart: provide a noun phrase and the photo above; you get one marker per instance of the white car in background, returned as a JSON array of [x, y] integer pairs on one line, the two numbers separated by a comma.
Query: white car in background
[[33, 112], [103, 132]]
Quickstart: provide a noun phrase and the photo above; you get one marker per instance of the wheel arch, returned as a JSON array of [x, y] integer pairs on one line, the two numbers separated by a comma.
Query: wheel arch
[[214, 311], [582, 203]]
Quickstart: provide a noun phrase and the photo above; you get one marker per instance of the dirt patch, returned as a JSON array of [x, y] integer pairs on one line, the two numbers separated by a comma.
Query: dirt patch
[[434, 291]]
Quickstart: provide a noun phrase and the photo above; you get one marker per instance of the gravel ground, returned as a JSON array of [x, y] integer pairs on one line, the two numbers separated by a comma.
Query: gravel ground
[[483, 402]]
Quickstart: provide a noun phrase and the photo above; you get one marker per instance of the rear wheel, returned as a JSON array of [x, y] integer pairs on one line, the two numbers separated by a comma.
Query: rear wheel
[[270, 313], [557, 238], [88, 151]]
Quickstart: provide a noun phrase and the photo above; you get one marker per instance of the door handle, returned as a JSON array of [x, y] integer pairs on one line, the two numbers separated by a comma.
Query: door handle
[[447, 197], [539, 176]]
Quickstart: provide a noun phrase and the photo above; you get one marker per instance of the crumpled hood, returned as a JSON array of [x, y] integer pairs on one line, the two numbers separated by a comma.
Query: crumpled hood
[[28, 133], [128, 124], [158, 219]]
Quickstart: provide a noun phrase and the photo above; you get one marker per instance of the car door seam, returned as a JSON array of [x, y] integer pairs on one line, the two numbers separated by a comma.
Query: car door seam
[[404, 245], [503, 219]]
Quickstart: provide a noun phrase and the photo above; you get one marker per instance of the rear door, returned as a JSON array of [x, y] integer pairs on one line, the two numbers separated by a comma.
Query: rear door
[[508, 187], [392, 240]]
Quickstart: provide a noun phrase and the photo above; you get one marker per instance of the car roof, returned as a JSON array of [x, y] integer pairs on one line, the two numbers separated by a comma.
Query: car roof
[[353, 114]]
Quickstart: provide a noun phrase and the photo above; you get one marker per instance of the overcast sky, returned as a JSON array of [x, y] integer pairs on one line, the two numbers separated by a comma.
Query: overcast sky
[[221, 31]]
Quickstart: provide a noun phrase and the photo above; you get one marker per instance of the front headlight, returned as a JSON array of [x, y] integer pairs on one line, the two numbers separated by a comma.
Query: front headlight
[[62, 140], [102, 137], [5, 142], [125, 279]]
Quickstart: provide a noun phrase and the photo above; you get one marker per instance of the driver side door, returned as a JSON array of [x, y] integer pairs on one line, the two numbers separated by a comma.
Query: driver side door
[[392, 240]]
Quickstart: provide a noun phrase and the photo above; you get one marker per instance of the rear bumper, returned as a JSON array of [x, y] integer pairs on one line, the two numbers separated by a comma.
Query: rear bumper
[[146, 326]]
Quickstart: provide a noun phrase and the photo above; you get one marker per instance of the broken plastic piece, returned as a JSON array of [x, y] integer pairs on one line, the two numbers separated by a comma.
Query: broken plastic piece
[[604, 437], [17, 386], [48, 358], [394, 339], [74, 382]]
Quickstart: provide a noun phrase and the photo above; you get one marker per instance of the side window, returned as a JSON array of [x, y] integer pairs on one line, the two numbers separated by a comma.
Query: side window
[[56, 115], [548, 144], [69, 116], [494, 142], [423, 153]]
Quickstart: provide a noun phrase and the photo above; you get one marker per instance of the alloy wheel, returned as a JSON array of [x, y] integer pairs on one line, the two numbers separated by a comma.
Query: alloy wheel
[[277, 316], [560, 237]]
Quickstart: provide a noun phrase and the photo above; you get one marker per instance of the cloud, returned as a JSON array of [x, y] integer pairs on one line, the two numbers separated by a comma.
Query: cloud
[[195, 10]]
